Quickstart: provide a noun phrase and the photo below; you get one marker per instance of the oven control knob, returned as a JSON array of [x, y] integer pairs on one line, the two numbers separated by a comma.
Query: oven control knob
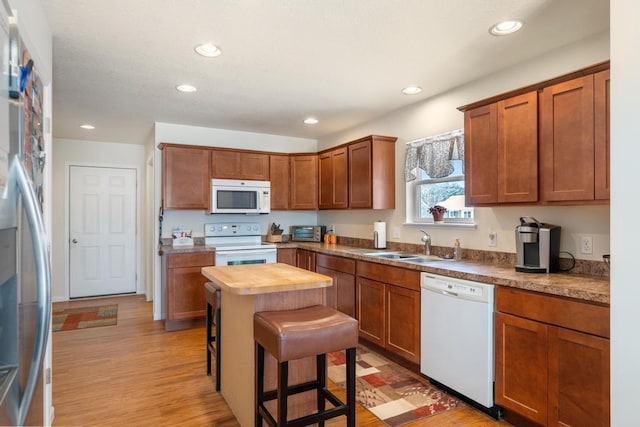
[[248, 228], [255, 228], [219, 228]]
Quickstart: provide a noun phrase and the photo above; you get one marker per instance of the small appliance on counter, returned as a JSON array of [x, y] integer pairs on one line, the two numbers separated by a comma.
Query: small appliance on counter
[[308, 233], [380, 235], [537, 246]]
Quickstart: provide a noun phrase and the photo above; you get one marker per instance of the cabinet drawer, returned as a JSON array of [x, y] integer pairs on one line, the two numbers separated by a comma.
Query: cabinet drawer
[[344, 265], [201, 259], [409, 279], [585, 317]]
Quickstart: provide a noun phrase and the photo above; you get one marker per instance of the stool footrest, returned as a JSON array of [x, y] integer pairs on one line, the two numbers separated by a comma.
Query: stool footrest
[[339, 407], [294, 389]]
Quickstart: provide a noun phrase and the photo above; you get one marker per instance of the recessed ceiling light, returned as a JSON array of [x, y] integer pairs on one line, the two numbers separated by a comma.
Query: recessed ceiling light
[[310, 121], [87, 126], [209, 50], [506, 27], [186, 88], [412, 90]]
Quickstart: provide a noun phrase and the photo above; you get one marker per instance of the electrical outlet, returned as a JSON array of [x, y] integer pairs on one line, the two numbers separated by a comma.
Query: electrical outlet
[[586, 245], [493, 238]]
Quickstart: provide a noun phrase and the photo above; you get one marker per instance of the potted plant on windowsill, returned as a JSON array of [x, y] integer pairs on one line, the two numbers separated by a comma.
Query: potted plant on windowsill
[[438, 213]]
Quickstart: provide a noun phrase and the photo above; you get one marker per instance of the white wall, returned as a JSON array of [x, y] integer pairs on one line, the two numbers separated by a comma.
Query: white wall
[[66, 152], [625, 151], [439, 114], [195, 220]]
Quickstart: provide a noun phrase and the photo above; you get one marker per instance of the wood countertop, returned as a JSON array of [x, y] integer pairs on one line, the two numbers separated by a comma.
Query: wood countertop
[[257, 279]]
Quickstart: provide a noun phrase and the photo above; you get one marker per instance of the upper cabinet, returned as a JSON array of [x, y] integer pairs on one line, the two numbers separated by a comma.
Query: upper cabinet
[[279, 175], [372, 172], [185, 177], [304, 182], [333, 179], [501, 152], [236, 164], [601, 93], [544, 144], [358, 174], [567, 140]]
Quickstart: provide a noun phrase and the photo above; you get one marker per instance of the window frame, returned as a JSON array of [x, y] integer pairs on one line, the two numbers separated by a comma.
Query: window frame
[[413, 203]]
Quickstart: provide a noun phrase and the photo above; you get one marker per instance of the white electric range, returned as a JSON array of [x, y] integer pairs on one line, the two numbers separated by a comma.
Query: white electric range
[[238, 243]]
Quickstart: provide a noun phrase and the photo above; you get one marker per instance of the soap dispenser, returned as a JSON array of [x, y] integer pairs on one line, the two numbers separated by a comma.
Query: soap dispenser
[[457, 250]]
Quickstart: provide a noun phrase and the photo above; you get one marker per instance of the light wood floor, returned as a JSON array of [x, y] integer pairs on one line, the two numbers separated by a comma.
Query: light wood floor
[[138, 374]]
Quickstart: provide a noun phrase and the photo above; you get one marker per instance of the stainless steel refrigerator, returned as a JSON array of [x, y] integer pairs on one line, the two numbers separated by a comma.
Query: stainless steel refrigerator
[[25, 295]]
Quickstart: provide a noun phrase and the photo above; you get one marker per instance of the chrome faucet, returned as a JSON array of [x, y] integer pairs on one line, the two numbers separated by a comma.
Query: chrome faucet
[[427, 242]]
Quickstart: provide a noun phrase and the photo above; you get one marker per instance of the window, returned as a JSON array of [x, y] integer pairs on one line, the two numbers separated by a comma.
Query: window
[[444, 157]]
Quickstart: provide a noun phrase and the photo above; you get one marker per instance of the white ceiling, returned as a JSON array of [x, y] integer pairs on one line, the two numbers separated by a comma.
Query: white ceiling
[[117, 62]]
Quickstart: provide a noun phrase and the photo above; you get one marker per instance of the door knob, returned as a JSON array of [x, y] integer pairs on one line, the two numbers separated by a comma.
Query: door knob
[[75, 241]]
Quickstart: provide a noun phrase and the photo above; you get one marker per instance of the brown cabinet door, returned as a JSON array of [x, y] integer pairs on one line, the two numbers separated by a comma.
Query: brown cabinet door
[[333, 173], [602, 96], [231, 164], [521, 366], [360, 175], [325, 181], [342, 295], [287, 256], [578, 379], [225, 164], [304, 182], [402, 322], [340, 178], [306, 259], [371, 308], [279, 177], [185, 178], [185, 293], [567, 141], [518, 149], [254, 166], [481, 155]]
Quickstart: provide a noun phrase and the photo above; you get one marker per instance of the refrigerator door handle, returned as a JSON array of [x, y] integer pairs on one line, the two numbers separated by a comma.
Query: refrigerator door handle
[[43, 278]]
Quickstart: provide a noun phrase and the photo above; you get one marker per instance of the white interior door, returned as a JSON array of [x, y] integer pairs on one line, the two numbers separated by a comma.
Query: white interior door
[[102, 231]]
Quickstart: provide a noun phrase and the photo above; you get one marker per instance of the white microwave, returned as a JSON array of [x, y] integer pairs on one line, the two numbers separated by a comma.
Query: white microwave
[[240, 196]]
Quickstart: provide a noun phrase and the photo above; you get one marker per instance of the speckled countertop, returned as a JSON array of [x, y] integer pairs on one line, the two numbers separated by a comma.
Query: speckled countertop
[[579, 286]]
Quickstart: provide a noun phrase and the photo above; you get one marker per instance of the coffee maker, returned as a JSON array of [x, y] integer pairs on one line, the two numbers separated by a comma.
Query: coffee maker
[[537, 246]]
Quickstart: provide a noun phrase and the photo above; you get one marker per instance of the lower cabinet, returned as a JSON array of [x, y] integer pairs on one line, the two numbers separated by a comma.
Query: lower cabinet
[[185, 287], [342, 295], [388, 307], [306, 259], [287, 256], [552, 359]]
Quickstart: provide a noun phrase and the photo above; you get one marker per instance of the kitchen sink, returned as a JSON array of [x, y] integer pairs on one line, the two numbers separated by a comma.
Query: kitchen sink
[[426, 259], [398, 256]]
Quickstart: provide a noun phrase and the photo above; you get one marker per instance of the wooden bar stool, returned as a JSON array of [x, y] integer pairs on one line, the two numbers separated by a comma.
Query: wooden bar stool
[[295, 334], [212, 296]]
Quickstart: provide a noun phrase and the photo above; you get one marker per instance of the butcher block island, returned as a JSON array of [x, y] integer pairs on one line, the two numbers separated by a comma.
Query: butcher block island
[[248, 289]]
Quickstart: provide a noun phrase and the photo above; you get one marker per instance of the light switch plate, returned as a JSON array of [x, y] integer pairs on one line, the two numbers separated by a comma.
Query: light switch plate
[[493, 239], [395, 232]]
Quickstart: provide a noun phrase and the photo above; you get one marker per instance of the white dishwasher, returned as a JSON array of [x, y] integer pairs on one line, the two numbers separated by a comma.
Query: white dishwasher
[[457, 332]]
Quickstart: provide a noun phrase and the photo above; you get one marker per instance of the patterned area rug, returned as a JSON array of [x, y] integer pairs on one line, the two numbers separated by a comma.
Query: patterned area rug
[[390, 392], [84, 317]]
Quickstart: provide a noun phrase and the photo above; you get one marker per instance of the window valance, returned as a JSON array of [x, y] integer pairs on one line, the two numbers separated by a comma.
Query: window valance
[[434, 154]]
